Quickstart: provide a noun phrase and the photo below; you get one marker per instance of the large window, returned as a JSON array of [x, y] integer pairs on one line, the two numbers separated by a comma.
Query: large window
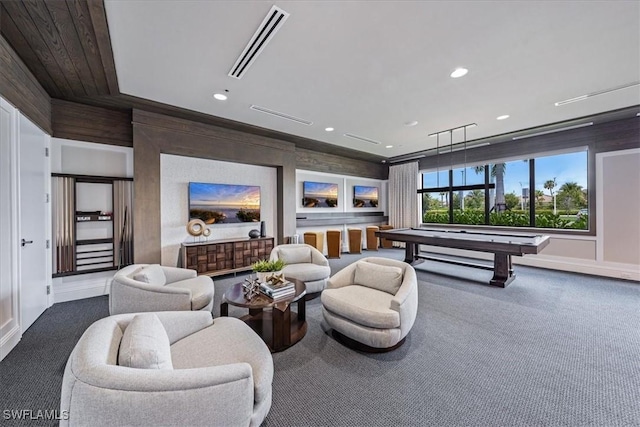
[[544, 192]]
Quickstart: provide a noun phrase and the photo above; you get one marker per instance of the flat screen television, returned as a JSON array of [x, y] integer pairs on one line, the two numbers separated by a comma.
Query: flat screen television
[[319, 194], [365, 197], [224, 203]]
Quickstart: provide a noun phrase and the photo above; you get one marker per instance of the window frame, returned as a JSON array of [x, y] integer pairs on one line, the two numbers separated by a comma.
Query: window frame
[[531, 164]]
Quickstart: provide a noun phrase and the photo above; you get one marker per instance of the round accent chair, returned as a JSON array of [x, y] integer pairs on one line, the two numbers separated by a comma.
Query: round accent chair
[[372, 303], [305, 263], [167, 368], [153, 287]]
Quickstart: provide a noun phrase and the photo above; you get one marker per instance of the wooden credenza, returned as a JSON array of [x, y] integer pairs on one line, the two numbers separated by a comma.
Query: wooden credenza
[[217, 257]]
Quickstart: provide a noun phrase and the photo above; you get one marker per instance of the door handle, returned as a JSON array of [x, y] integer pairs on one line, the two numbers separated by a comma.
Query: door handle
[[26, 242]]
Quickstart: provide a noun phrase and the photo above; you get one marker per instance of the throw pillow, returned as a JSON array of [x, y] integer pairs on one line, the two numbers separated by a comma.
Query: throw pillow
[[151, 274], [384, 278], [296, 255], [145, 344]]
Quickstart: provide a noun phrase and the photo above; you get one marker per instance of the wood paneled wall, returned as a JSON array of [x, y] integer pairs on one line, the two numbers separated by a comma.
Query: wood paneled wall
[[324, 162], [154, 134], [83, 122], [20, 87]]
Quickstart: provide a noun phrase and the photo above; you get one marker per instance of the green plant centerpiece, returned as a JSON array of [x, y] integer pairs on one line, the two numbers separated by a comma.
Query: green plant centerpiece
[[265, 269]]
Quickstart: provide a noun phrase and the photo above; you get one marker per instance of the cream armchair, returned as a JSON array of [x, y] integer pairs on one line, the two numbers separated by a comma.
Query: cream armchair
[[373, 302], [304, 262], [153, 287], [169, 369]]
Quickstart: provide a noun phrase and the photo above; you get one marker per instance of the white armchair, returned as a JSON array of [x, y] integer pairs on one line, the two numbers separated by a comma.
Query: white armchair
[[373, 302], [212, 372], [304, 262], [153, 287]]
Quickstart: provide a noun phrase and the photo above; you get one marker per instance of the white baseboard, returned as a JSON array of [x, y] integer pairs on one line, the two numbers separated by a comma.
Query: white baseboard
[[573, 265], [79, 287], [9, 341], [576, 265]]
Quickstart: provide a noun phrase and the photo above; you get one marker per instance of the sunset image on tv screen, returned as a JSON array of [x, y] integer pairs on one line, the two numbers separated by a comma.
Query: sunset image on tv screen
[[365, 197], [319, 195], [224, 203]]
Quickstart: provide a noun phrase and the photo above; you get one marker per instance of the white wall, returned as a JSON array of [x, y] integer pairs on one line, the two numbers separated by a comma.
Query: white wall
[[175, 174], [88, 158], [619, 192], [345, 201]]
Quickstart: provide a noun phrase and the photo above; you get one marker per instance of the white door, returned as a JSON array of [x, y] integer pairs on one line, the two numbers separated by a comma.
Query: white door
[[34, 214], [9, 289]]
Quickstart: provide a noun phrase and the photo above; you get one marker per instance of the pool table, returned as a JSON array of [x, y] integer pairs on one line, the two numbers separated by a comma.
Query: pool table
[[502, 244]]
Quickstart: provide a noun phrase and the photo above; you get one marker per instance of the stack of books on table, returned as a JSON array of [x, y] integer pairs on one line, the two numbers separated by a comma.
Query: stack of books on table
[[279, 290]]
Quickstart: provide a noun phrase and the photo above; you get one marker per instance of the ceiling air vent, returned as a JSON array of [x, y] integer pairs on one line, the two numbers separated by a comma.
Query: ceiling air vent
[[361, 138], [281, 115], [270, 25]]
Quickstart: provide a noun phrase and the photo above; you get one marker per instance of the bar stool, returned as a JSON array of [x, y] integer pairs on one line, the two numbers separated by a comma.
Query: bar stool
[[372, 240], [355, 240], [386, 243], [334, 243], [315, 239]]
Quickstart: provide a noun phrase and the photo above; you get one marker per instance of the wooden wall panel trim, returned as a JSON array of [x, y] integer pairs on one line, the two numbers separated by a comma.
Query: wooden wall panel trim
[[14, 60], [146, 189], [20, 88], [207, 130], [286, 199], [244, 128], [618, 135], [153, 107], [323, 162], [71, 120]]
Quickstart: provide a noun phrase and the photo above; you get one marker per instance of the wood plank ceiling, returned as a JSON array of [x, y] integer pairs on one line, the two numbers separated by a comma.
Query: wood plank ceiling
[[63, 45], [66, 45]]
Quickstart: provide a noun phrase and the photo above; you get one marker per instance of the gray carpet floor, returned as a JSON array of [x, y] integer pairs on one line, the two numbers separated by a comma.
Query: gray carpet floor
[[552, 349]]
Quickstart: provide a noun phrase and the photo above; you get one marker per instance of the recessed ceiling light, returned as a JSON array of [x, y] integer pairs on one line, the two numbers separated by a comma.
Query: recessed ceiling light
[[329, 129], [220, 96], [411, 123], [388, 146], [504, 116], [459, 72]]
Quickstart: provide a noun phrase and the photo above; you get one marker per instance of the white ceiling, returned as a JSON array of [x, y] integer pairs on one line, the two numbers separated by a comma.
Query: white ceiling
[[366, 68]]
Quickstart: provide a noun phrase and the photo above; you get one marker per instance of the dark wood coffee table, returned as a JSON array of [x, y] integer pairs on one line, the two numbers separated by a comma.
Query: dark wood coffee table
[[277, 325]]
